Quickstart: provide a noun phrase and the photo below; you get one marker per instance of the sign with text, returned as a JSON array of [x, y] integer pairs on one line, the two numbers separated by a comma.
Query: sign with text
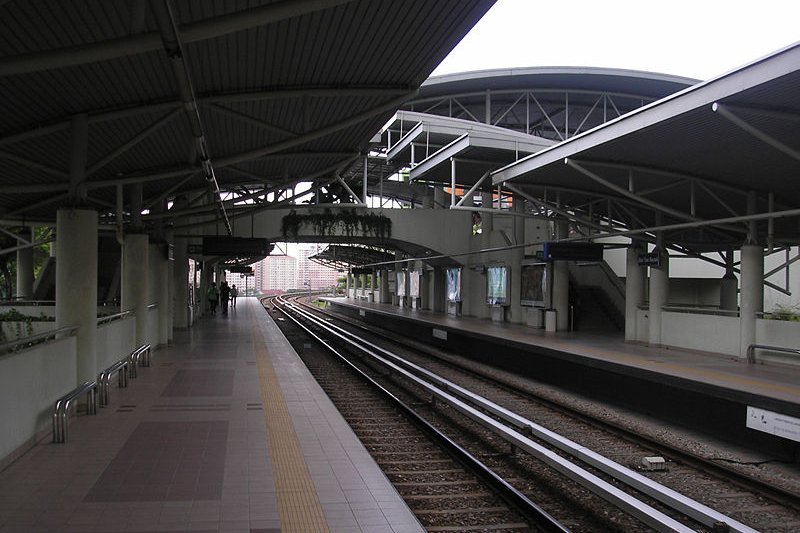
[[649, 260], [236, 246], [773, 423], [573, 251]]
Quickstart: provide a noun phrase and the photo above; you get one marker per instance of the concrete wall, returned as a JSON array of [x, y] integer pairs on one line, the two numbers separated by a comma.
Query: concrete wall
[[30, 383], [152, 327], [781, 333], [720, 334], [115, 340], [708, 333]]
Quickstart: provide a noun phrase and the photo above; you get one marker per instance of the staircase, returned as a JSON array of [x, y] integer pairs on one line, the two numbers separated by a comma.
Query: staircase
[[594, 311]]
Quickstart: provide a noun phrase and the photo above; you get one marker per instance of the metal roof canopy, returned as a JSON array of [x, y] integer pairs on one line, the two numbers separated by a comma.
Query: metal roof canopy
[[688, 158], [474, 154], [198, 98], [342, 257]]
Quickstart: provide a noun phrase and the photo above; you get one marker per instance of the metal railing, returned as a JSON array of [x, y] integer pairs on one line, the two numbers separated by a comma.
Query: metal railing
[[22, 301], [61, 409], [125, 368], [26, 342], [700, 310], [751, 351], [141, 356], [121, 368], [115, 316]]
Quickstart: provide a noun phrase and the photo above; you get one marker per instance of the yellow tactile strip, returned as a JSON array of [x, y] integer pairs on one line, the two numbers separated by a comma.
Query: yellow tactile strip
[[298, 505]]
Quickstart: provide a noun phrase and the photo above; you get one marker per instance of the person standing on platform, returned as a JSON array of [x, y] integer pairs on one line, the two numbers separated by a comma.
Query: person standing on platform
[[213, 297], [224, 294], [234, 294]]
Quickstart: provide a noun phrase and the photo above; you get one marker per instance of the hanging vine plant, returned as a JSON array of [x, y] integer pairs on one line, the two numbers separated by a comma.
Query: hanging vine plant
[[347, 221]]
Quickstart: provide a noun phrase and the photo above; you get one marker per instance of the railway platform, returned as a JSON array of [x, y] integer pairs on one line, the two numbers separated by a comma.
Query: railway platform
[[226, 431], [709, 392]]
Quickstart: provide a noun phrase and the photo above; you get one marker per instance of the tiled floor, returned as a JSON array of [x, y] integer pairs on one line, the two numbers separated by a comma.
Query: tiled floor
[[226, 431]]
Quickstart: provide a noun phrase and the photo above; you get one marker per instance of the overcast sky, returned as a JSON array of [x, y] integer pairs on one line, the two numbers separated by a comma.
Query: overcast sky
[[697, 39]]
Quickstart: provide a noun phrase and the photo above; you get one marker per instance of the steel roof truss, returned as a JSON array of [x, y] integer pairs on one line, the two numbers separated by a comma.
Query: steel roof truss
[[510, 107], [251, 120], [586, 117], [546, 116], [723, 111], [136, 139], [467, 111]]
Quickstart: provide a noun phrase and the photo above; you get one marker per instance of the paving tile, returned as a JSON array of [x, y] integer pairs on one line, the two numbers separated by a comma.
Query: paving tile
[[193, 454]]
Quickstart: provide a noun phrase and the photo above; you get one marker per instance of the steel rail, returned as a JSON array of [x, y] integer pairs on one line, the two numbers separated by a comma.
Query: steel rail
[[687, 506], [517, 499], [779, 495], [640, 510]]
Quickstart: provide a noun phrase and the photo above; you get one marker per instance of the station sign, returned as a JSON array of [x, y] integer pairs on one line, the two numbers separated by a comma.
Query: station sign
[[231, 247], [649, 260], [240, 269], [572, 251]]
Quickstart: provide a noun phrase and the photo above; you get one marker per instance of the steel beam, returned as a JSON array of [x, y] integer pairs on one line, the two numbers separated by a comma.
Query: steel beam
[[150, 42]]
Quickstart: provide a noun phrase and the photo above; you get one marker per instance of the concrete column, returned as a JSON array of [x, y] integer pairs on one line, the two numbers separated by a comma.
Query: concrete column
[[160, 289], [517, 313], [561, 294], [561, 283], [25, 268], [487, 219], [373, 286], [752, 296], [135, 281], [425, 288], [386, 297], [634, 290], [180, 285], [439, 290], [347, 284], [76, 284], [729, 286], [659, 292], [439, 197], [205, 279], [171, 299]]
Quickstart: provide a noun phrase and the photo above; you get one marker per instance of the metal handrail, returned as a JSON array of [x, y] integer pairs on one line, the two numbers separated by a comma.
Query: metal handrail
[[61, 408], [751, 351], [700, 310], [17, 302], [141, 356], [19, 344], [115, 316], [121, 368]]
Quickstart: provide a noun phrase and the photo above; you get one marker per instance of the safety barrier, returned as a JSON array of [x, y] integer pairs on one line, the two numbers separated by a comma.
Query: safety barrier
[[124, 368], [121, 368], [61, 409], [141, 356], [751, 351]]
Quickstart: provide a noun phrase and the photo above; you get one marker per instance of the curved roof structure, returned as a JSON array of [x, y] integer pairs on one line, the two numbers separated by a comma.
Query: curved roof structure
[[199, 98], [704, 165], [550, 102]]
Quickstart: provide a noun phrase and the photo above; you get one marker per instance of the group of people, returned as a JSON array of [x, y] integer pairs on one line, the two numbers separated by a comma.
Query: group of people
[[222, 294]]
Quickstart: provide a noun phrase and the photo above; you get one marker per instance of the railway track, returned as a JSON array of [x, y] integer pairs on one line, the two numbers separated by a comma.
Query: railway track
[[580, 502]]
